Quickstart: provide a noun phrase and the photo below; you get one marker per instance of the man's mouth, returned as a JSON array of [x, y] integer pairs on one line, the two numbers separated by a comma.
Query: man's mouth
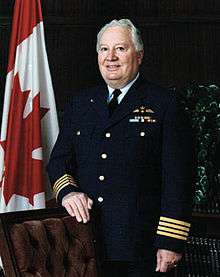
[[112, 67]]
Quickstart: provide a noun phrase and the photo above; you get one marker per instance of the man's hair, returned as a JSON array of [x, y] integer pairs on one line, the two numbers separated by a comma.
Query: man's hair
[[124, 23]]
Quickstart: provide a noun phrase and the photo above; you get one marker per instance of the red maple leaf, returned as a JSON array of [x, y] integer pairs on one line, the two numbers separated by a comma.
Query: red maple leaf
[[23, 174]]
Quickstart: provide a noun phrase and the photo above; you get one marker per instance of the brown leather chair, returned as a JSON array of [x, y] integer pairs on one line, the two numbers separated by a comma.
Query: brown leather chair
[[46, 243]]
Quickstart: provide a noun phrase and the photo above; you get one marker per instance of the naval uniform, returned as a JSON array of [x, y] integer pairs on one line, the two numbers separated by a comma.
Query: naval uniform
[[135, 165]]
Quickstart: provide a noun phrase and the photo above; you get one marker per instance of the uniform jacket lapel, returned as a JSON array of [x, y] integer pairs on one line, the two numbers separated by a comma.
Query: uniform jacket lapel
[[100, 102], [132, 99]]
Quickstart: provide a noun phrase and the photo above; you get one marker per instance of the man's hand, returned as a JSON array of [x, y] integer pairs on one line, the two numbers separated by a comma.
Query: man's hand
[[78, 204], [167, 259]]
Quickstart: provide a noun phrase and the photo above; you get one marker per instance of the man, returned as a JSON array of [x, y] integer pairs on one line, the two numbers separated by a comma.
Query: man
[[125, 152]]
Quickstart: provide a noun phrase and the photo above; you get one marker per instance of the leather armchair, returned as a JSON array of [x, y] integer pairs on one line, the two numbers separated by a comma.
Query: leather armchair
[[46, 242]]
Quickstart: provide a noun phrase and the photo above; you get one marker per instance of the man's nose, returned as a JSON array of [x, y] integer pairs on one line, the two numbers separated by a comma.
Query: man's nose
[[112, 55]]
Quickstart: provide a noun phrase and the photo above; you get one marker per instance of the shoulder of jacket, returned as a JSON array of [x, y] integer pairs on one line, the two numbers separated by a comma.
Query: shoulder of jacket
[[159, 94]]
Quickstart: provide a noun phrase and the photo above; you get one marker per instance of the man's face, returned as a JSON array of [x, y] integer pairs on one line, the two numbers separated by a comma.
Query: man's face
[[117, 58]]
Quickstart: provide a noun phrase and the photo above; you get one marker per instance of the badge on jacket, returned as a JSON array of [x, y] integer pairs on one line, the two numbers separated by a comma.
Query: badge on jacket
[[143, 114]]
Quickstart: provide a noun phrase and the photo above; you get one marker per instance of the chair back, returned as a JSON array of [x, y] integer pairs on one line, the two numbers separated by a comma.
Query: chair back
[[46, 242]]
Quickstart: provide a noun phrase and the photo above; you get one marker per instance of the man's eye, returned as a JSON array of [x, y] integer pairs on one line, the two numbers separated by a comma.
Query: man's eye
[[120, 48], [103, 49]]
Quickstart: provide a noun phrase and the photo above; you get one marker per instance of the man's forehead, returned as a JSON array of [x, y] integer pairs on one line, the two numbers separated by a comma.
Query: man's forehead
[[116, 34]]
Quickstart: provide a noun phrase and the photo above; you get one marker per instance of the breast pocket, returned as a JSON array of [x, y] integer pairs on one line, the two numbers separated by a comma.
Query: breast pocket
[[82, 142], [142, 142]]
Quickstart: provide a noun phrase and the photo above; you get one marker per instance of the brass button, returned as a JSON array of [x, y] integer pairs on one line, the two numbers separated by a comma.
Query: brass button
[[104, 156], [101, 178], [108, 135], [100, 199]]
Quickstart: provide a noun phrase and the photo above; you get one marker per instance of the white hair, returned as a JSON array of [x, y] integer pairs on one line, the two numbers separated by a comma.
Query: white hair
[[124, 23]]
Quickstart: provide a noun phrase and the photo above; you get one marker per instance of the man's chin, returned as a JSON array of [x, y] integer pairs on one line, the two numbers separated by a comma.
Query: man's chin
[[115, 83], [113, 76]]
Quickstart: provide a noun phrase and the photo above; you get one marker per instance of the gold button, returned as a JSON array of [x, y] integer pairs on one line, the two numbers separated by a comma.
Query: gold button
[[108, 135], [100, 199], [78, 133], [142, 134], [104, 156], [101, 178]]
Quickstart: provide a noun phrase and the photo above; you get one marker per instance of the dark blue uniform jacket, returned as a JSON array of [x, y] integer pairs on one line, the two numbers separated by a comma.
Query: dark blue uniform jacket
[[136, 166]]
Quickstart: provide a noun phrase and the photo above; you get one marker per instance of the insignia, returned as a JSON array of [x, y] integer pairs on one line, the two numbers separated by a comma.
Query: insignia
[[149, 119], [144, 119], [149, 111], [143, 109], [133, 119], [144, 115]]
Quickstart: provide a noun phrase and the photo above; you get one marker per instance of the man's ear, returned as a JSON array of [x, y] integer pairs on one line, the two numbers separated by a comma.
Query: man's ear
[[140, 56]]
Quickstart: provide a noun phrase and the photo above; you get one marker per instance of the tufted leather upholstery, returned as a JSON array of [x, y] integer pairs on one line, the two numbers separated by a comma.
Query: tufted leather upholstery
[[46, 243]]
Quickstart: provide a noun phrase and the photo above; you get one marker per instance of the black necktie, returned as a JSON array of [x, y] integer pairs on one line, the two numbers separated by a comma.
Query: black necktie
[[114, 102]]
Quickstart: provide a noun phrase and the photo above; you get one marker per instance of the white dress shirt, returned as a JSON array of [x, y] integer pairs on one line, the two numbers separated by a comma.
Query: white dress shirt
[[123, 90]]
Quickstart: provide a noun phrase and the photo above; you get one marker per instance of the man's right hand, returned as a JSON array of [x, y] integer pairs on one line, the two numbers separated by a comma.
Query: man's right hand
[[78, 204]]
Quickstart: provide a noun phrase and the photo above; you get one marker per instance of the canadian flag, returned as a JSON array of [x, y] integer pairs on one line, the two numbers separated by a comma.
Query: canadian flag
[[29, 121]]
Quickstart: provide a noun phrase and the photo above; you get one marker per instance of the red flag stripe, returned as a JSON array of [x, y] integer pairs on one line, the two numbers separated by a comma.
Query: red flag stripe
[[23, 149], [25, 21]]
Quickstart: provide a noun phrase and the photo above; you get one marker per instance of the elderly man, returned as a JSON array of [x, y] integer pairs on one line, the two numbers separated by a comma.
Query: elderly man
[[125, 151]]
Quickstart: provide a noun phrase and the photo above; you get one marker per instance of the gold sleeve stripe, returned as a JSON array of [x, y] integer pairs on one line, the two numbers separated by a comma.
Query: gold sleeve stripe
[[66, 177], [173, 231], [61, 183], [174, 226], [63, 180], [163, 218], [57, 192], [59, 189], [171, 235]]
